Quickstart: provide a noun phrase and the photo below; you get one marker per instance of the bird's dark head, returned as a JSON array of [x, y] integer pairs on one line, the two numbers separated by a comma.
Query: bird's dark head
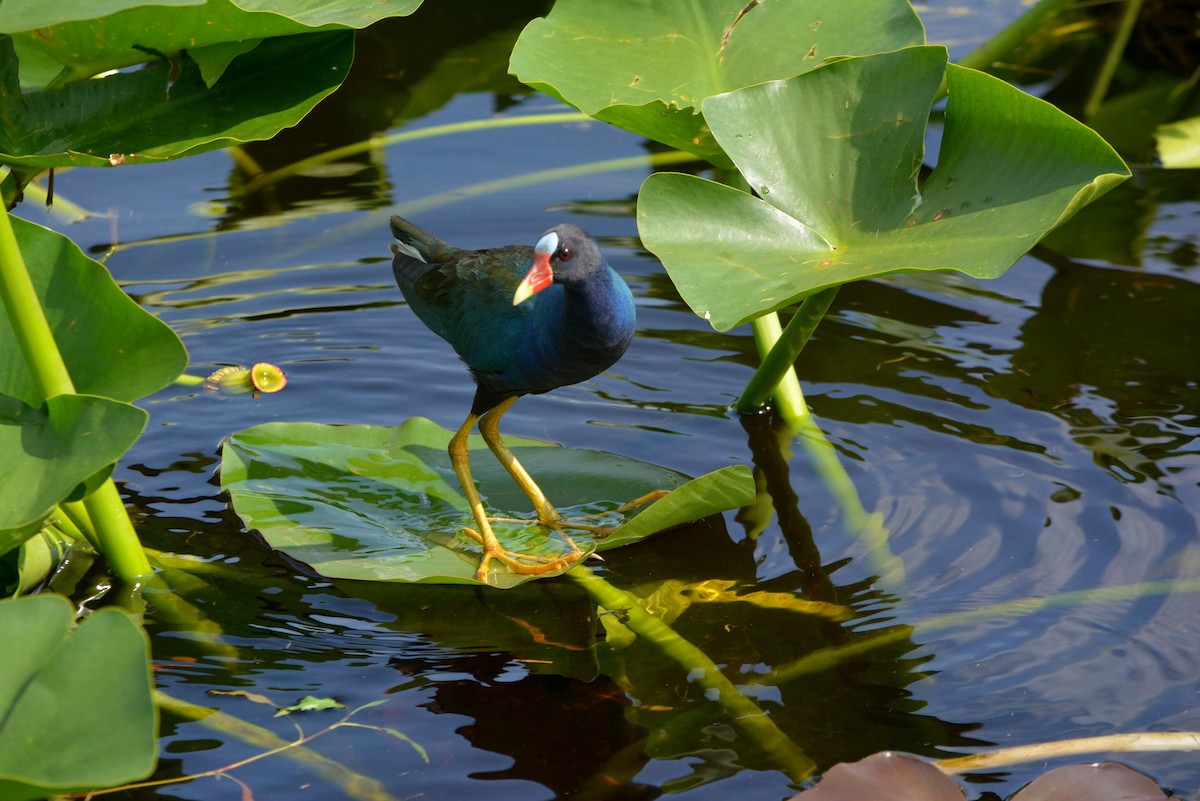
[[565, 254]]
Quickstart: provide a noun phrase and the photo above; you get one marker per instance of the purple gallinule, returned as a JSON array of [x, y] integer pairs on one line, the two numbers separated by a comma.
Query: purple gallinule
[[526, 321]]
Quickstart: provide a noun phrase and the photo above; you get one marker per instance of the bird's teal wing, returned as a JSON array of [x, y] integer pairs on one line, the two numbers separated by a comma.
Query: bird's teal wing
[[467, 301]]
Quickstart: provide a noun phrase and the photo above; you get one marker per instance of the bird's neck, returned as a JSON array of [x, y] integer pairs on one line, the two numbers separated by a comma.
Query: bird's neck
[[598, 312]]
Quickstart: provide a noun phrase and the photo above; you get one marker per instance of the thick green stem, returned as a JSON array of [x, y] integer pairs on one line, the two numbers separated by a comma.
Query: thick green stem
[[746, 715], [118, 541], [1116, 49], [775, 373], [789, 398], [68, 524], [113, 531], [29, 326]]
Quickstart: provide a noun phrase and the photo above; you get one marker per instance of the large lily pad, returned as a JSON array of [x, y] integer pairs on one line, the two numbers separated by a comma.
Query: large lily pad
[[833, 157], [379, 503], [112, 347], [151, 114], [75, 707], [647, 66], [89, 38], [51, 449]]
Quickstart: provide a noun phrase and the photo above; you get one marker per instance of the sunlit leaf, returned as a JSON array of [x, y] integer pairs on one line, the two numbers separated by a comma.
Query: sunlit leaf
[[112, 346], [834, 157], [647, 66], [1179, 143], [51, 449], [75, 707], [376, 503]]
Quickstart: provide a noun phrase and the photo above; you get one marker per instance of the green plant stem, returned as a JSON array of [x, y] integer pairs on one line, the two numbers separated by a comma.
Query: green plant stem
[[1011, 37], [789, 398], [663, 159], [776, 372], [118, 541], [66, 523], [114, 532], [1116, 49], [746, 715], [1039, 752], [32, 332], [376, 142], [80, 517], [826, 658]]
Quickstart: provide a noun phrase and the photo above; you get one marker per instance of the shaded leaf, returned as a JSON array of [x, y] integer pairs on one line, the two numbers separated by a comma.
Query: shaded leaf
[[93, 38], [111, 345], [834, 156], [49, 450], [647, 66], [61, 688], [376, 503], [148, 115]]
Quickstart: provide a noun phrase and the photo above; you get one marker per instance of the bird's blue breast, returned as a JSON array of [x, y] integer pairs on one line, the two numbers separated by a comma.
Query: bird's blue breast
[[571, 335]]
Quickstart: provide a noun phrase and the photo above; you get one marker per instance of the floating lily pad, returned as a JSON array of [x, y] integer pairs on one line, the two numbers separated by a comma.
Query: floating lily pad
[[833, 158], [383, 504]]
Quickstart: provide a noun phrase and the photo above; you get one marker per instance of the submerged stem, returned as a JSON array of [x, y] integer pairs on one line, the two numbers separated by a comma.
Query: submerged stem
[[745, 714], [262, 180]]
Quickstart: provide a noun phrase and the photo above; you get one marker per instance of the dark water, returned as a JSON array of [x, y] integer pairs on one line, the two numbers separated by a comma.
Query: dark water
[[1023, 438]]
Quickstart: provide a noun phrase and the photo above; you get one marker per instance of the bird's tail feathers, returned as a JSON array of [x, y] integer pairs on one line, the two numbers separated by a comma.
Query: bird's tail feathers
[[417, 243]]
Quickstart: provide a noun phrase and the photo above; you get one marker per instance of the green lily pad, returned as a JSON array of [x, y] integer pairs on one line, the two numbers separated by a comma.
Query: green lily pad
[[648, 66], [50, 450], [90, 38], [834, 157], [383, 504], [150, 114], [75, 707], [112, 347]]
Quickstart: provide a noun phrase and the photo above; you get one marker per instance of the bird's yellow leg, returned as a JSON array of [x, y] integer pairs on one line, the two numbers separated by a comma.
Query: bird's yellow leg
[[489, 427], [524, 564]]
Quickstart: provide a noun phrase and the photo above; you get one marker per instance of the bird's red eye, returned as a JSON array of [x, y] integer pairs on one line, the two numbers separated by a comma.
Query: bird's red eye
[[564, 253]]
